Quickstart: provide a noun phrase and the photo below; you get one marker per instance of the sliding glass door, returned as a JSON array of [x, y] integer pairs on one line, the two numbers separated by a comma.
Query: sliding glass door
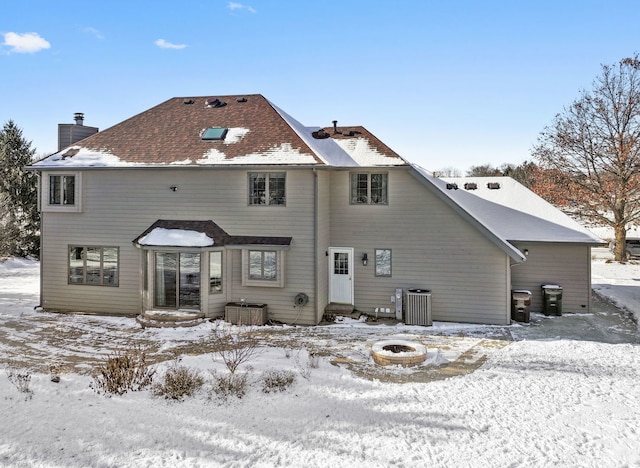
[[177, 280]]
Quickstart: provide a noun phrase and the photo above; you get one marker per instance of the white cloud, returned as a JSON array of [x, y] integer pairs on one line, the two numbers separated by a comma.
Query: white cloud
[[168, 45], [94, 32], [239, 6], [26, 43]]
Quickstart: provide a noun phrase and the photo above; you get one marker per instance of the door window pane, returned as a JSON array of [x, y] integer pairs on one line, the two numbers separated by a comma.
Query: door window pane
[[165, 279], [189, 280], [341, 263]]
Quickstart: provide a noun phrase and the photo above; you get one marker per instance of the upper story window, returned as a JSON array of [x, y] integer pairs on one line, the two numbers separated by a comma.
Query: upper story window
[[369, 189], [267, 188], [61, 192]]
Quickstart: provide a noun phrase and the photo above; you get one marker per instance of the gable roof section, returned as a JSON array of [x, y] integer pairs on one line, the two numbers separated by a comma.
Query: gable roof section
[[364, 147], [257, 133], [516, 213]]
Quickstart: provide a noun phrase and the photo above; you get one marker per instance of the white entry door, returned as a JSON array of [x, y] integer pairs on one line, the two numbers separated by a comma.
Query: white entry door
[[341, 275]]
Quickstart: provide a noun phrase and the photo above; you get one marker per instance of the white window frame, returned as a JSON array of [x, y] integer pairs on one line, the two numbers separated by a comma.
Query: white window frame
[[212, 254], [277, 282], [368, 198], [84, 248], [267, 176], [376, 264], [46, 204]]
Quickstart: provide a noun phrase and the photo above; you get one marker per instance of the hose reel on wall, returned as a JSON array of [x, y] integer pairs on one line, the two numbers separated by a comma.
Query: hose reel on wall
[[301, 300]]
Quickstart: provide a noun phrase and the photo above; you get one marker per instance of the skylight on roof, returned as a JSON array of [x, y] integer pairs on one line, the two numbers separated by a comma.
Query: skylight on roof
[[214, 133]]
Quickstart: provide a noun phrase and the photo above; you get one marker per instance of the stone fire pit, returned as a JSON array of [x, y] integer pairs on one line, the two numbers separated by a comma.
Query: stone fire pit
[[398, 352]]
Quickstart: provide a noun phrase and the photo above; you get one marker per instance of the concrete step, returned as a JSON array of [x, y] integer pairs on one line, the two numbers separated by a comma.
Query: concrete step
[[170, 318], [331, 311]]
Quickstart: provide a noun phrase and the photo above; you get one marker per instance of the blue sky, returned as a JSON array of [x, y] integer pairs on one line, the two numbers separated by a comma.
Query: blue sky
[[444, 83]]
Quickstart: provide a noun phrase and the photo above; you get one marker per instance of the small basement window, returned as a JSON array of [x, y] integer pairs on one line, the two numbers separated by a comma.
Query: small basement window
[[214, 133]]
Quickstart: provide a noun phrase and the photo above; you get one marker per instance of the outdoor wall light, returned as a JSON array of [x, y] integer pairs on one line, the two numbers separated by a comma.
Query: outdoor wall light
[[365, 259], [173, 188], [526, 252]]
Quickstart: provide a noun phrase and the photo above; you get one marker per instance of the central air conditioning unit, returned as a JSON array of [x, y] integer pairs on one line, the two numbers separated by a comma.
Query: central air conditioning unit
[[418, 307]]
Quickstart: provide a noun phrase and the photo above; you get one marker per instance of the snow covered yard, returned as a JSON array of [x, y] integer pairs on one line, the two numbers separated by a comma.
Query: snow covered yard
[[480, 399]]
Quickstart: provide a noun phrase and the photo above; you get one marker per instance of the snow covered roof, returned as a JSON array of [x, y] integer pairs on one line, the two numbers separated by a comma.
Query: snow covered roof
[[256, 132], [190, 233], [515, 212], [176, 238], [507, 212]]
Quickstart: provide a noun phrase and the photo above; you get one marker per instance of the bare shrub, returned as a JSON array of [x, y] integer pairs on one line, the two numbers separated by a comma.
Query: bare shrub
[[305, 368], [228, 385], [234, 349], [21, 379], [123, 372], [55, 369], [179, 381], [277, 380]]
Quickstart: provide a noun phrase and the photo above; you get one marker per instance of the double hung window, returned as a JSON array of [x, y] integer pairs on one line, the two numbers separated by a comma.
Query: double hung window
[[267, 188], [62, 190], [369, 189], [264, 268]]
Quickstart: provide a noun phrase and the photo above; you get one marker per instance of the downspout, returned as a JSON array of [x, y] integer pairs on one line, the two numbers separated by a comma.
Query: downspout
[[315, 241], [39, 201]]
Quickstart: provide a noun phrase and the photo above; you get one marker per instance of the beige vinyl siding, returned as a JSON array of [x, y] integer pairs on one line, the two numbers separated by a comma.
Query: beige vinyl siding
[[119, 204], [432, 247], [567, 265], [323, 228]]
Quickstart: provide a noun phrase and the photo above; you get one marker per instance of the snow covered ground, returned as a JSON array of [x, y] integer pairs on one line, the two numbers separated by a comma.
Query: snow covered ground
[[529, 402]]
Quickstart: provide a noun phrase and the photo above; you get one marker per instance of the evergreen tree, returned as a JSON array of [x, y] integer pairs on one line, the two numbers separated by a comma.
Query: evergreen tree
[[19, 217]]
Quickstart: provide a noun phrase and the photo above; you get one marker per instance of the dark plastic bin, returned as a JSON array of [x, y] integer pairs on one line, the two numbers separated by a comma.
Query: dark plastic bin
[[521, 305], [551, 299]]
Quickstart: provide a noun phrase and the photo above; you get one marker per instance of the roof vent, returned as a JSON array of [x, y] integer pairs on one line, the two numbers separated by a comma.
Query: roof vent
[[215, 103], [470, 186], [241, 99], [335, 127], [351, 133], [452, 186], [320, 134], [79, 118], [188, 101], [493, 185]]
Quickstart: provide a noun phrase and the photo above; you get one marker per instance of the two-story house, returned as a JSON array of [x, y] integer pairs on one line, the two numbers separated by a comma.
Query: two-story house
[[202, 201]]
